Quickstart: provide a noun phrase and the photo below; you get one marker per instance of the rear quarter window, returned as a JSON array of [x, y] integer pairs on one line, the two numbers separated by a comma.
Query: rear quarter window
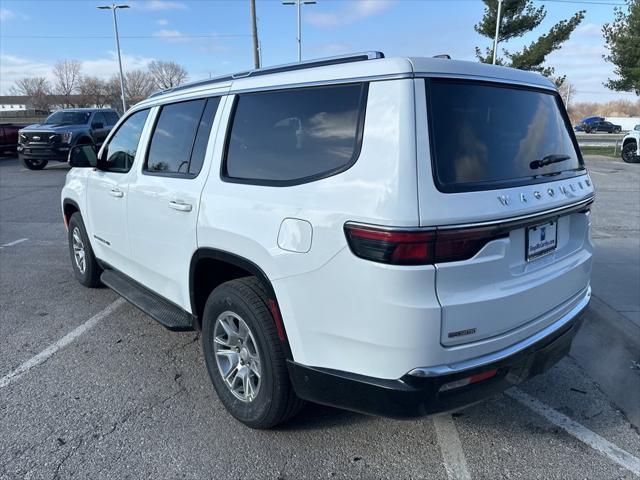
[[485, 136], [288, 137]]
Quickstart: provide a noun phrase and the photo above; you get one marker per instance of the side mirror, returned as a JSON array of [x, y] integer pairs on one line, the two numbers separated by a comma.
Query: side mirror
[[83, 156], [97, 125]]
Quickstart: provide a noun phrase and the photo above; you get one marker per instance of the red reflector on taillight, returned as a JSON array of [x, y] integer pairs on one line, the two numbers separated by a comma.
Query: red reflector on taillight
[[396, 247], [463, 382]]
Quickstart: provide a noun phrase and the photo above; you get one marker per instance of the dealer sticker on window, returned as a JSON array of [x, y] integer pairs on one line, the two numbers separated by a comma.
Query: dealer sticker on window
[[541, 239]]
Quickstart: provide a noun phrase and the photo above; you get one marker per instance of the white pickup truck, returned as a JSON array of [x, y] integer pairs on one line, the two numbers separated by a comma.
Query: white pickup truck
[[631, 146]]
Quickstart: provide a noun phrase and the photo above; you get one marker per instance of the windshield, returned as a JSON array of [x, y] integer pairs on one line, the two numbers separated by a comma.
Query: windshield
[[67, 118], [486, 136]]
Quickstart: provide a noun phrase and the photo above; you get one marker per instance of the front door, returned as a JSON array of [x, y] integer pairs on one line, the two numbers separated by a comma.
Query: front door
[[107, 192], [99, 128]]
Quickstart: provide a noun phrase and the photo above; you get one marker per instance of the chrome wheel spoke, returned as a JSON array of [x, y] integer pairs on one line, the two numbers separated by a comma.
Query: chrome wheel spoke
[[78, 250], [237, 356]]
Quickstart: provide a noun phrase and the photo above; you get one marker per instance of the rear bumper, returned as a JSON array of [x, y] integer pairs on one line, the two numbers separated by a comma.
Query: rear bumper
[[418, 392]]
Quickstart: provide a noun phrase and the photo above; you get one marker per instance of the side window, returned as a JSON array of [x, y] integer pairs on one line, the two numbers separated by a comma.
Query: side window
[[288, 137], [99, 118], [121, 150], [180, 137], [112, 118]]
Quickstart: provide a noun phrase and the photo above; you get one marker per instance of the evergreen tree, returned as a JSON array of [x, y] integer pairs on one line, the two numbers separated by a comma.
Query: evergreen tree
[[623, 41], [519, 17]]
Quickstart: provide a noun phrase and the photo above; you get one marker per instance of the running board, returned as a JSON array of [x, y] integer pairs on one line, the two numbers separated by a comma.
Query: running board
[[161, 310]]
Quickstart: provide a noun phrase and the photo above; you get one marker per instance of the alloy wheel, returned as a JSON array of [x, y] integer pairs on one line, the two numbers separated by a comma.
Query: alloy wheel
[[78, 251], [237, 356]]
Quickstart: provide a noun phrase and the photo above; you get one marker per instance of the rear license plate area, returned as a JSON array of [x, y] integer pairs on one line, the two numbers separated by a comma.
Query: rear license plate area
[[541, 239]]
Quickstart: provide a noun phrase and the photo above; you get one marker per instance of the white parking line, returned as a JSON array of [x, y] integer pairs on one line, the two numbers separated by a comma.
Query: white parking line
[[15, 242], [455, 463], [595, 441], [44, 355]]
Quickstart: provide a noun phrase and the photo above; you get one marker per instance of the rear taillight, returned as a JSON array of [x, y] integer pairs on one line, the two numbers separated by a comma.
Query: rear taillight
[[396, 247], [418, 247]]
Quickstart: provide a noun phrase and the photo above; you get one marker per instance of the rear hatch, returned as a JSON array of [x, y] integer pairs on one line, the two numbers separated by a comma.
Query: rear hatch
[[502, 180]]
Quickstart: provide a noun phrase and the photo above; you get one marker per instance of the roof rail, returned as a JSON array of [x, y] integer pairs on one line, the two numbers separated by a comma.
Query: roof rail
[[289, 67]]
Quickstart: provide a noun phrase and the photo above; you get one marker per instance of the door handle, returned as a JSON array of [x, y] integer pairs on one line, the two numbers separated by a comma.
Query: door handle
[[180, 206], [116, 193]]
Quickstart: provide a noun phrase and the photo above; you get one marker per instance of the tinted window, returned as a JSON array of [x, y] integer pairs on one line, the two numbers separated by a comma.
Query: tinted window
[[202, 137], [182, 129], [485, 136], [99, 118], [122, 148], [286, 136], [112, 118]]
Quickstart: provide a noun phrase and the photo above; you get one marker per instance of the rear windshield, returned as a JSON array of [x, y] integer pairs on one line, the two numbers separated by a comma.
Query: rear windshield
[[486, 136]]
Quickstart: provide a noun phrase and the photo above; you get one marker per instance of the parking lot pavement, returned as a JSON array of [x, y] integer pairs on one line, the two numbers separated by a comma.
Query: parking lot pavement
[[90, 387]]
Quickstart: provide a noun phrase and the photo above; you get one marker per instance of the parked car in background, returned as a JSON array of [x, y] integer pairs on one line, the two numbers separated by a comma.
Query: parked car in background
[[9, 137], [587, 122], [604, 126], [53, 138], [631, 146]]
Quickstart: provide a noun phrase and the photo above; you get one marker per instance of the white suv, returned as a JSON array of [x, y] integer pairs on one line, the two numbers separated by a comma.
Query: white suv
[[631, 146], [393, 236]]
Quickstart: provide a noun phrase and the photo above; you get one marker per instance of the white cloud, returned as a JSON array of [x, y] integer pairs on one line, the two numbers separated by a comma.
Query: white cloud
[[159, 5], [108, 66], [14, 68], [162, 21], [173, 36], [6, 14], [586, 70], [352, 13], [589, 30]]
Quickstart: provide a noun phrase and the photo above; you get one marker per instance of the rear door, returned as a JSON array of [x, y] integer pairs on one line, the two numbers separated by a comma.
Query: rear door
[[165, 197], [499, 166]]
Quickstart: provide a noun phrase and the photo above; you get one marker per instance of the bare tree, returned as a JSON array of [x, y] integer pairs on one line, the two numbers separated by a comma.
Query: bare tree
[[138, 85], [37, 89], [113, 94], [167, 74], [93, 92], [67, 75]]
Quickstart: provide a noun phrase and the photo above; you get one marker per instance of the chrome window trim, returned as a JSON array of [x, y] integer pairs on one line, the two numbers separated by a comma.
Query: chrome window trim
[[530, 216]]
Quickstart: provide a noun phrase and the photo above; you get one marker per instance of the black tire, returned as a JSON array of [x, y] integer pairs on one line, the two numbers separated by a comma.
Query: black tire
[[90, 277], [630, 153], [33, 163], [275, 401]]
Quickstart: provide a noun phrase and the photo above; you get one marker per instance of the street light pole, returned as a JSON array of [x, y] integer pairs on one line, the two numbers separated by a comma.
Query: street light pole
[[298, 4], [113, 7], [254, 34], [495, 39]]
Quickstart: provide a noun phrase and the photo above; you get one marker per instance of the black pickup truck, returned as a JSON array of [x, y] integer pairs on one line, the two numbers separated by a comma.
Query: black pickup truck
[[53, 138]]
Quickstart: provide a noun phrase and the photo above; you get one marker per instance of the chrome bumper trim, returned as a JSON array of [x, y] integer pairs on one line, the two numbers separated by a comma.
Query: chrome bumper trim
[[477, 362]]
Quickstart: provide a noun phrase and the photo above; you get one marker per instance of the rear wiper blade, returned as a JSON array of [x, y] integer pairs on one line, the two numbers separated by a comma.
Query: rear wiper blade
[[548, 160]]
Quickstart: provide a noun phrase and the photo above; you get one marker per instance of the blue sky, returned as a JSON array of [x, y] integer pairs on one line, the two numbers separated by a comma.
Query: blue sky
[[210, 37]]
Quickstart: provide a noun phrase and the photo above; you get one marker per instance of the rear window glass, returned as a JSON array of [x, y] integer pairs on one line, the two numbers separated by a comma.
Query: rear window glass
[[292, 136], [486, 136]]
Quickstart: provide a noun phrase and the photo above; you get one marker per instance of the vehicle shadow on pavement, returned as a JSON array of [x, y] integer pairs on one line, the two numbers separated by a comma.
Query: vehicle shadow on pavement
[[318, 417]]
